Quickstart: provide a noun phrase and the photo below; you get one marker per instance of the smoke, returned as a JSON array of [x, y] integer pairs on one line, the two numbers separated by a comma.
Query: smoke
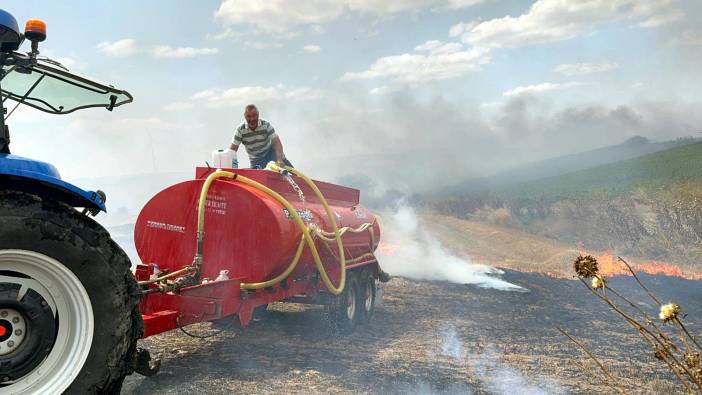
[[492, 372], [409, 250], [419, 145]]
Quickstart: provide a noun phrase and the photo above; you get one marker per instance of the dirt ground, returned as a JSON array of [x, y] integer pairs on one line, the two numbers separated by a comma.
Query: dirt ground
[[428, 338]]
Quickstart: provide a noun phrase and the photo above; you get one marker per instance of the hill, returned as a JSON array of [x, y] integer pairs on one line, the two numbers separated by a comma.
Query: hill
[[632, 148], [649, 206], [672, 166]]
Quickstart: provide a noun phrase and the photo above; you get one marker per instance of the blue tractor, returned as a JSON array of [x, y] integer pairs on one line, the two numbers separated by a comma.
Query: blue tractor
[[69, 317]]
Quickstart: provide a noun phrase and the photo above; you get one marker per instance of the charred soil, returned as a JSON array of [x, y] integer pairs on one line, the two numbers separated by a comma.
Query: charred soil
[[429, 338]]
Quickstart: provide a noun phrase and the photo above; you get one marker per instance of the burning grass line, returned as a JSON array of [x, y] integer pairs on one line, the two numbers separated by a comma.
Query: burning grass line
[[597, 361]]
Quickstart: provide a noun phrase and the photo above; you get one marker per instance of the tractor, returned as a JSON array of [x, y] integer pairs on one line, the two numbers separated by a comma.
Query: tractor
[[69, 316]]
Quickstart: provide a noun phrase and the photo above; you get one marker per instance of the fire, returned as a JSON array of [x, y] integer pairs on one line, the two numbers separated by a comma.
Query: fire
[[609, 266], [387, 249]]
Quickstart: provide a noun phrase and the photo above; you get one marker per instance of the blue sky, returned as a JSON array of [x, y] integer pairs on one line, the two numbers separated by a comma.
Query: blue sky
[[384, 88]]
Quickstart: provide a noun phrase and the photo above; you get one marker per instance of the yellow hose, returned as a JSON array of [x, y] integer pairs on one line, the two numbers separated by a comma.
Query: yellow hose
[[201, 211], [282, 276], [306, 236], [332, 219]]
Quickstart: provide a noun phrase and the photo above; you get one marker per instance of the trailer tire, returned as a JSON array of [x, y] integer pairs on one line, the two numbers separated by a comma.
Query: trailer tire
[[366, 295], [343, 308], [97, 295]]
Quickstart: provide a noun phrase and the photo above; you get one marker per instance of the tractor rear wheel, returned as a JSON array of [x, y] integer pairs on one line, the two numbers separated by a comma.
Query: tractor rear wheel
[[69, 317]]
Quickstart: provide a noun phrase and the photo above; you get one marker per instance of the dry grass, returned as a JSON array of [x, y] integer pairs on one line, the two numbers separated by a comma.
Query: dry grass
[[511, 248]]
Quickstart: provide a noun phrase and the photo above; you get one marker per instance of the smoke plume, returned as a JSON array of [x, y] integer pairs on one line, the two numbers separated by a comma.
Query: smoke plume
[[410, 251], [492, 372]]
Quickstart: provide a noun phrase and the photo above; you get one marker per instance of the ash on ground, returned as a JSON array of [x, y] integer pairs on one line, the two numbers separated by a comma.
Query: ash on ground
[[428, 338]]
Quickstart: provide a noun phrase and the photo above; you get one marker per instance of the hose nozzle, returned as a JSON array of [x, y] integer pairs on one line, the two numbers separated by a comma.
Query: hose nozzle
[[273, 166]]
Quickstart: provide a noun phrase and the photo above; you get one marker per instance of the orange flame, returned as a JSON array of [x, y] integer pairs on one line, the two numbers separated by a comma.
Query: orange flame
[[610, 266], [387, 249]]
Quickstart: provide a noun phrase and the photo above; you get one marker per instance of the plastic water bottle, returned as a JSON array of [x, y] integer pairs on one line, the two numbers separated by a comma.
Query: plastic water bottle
[[225, 158]]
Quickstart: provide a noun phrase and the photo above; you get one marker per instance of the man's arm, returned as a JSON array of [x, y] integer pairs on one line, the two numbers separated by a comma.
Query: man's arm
[[236, 140], [278, 146]]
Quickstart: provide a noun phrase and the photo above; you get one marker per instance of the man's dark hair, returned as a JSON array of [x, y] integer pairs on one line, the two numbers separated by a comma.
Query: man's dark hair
[[250, 107]]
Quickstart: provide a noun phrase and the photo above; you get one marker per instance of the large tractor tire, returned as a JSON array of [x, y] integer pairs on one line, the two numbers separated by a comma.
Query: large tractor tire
[[69, 317]]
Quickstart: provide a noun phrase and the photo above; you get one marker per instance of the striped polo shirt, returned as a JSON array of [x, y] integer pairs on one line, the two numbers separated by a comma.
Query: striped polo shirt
[[257, 142]]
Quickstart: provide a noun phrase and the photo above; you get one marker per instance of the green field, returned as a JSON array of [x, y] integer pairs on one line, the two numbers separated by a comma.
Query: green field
[[680, 165]]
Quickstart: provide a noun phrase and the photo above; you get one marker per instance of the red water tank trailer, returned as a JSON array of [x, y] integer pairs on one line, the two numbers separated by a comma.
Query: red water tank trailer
[[249, 237]]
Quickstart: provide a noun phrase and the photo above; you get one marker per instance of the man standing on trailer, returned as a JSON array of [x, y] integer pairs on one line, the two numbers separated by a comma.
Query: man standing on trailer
[[260, 139]]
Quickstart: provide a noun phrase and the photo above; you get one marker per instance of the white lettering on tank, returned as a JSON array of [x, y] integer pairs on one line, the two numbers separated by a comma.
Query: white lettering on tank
[[165, 226], [216, 204]]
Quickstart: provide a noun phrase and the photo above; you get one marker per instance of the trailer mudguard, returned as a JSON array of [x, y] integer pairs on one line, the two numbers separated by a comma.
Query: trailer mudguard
[[43, 179]]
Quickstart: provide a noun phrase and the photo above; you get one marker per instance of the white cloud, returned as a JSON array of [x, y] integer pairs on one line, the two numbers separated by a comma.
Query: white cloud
[[688, 38], [224, 34], [539, 88], [279, 16], [239, 96], [556, 20], [119, 48], [302, 94], [436, 47], [311, 48], [276, 16], [262, 45], [432, 60], [383, 90], [456, 4], [165, 51], [654, 13], [584, 68], [70, 63], [393, 7], [179, 106], [461, 27]]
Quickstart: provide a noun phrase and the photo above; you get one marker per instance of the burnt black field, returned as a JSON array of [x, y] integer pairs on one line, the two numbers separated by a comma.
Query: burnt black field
[[431, 338]]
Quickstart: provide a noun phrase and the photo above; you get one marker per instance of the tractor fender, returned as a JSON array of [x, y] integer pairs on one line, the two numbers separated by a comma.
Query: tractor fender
[[42, 179]]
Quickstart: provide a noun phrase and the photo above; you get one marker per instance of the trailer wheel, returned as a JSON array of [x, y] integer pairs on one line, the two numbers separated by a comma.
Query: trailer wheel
[[68, 297], [366, 296], [344, 309]]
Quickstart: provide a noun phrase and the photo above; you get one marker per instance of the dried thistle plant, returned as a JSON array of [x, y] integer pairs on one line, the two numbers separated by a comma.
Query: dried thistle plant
[[669, 312], [661, 354], [692, 359], [682, 356], [585, 266], [598, 282]]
